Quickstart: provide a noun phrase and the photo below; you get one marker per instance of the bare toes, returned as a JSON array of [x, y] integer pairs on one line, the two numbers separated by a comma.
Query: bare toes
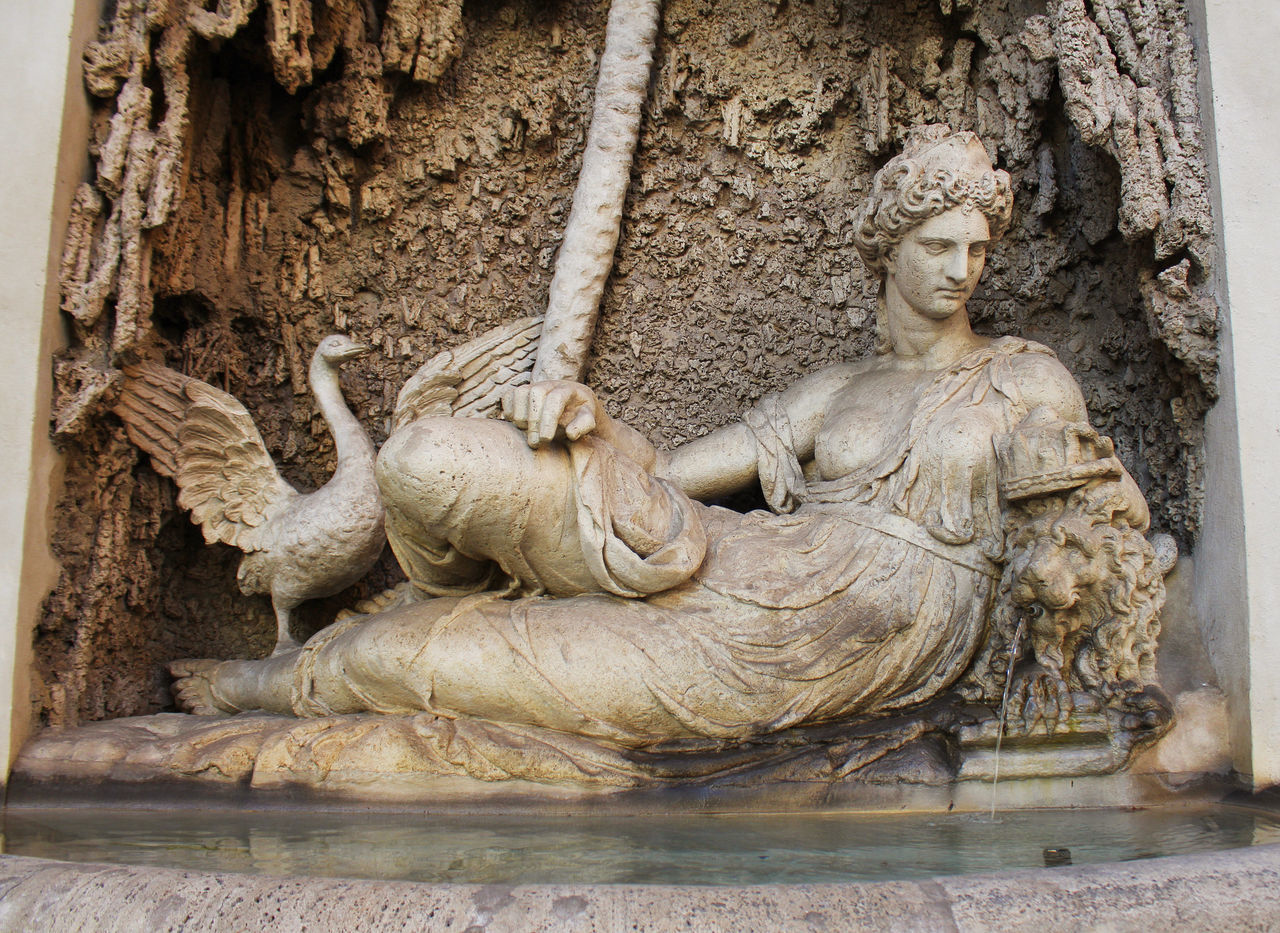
[[193, 686]]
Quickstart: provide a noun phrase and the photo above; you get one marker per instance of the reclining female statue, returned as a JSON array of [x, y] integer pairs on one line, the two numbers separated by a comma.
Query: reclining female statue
[[566, 575]]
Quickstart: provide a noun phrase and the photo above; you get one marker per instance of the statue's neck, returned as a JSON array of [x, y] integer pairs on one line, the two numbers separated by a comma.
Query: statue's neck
[[933, 343], [349, 438]]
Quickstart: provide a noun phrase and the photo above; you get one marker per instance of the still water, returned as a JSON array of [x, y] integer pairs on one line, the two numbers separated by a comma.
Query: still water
[[680, 849]]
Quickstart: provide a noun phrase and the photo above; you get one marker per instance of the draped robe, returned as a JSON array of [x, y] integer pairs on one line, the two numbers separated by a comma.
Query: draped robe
[[867, 593]]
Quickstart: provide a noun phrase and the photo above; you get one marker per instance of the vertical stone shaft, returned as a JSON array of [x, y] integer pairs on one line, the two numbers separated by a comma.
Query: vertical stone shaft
[[591, 235]]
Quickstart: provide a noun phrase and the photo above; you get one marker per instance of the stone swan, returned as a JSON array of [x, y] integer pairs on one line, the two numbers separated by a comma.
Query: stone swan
[[298, 546]]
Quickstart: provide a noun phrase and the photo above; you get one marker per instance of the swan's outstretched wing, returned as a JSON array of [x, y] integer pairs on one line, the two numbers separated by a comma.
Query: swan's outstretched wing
[[469, 381], [208, 443]]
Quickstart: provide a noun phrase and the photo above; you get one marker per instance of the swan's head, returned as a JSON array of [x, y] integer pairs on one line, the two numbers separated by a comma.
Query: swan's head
[[337, 349]]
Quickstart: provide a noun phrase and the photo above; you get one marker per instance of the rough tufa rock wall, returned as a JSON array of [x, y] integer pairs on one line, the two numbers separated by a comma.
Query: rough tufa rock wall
[[274, 170]]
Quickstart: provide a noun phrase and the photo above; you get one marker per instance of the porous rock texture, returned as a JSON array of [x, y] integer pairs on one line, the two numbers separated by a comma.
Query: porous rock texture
[[270, 171]]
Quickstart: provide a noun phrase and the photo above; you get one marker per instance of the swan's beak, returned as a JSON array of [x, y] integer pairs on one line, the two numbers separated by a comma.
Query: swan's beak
[[351, 352]]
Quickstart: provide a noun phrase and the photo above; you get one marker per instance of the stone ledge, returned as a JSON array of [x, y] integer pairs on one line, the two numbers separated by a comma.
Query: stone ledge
[[1236, 890], [259, 760]]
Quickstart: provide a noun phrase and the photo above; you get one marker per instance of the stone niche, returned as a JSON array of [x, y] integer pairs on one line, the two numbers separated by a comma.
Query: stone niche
[[402, 171]]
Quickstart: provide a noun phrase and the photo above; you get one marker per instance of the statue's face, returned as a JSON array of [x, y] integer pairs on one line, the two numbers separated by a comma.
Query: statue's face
[[936, 266]]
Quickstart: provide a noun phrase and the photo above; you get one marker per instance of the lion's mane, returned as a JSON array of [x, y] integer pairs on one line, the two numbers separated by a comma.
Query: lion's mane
[[1089, 589]]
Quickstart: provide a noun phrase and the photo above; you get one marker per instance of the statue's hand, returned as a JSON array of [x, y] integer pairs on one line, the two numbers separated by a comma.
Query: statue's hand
[[547, 410]]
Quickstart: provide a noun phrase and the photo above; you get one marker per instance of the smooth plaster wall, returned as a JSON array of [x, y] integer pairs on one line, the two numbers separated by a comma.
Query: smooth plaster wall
[[42, 159], [1238, 557]]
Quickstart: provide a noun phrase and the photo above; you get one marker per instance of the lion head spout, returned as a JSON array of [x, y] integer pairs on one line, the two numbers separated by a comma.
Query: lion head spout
[[1086, 587]]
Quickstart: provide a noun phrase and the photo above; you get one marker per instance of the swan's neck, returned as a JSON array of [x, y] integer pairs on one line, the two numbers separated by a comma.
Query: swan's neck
[[349, 438]]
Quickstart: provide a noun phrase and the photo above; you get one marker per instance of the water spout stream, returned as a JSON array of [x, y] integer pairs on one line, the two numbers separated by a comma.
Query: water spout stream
[[1004, 705]]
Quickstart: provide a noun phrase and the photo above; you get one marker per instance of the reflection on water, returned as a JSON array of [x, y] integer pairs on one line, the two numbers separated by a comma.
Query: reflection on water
[[685, 849]]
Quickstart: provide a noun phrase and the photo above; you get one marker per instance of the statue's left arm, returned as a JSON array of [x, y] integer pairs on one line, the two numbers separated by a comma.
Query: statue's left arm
[[1079, 572], [1051, 393]]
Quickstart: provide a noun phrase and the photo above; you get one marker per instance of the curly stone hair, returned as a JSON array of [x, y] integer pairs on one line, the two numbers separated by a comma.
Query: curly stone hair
[[938, 169]]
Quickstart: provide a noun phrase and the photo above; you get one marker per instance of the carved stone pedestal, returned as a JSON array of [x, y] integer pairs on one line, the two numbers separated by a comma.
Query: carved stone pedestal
[[397, 761]]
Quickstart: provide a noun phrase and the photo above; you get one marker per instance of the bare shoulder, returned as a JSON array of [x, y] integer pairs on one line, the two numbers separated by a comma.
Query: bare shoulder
[[825, 382], [1043, 380], [808, 400]]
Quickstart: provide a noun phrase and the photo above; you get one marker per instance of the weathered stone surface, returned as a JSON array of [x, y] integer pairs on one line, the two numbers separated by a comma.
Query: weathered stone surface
[[427, 760], [1236, 890]]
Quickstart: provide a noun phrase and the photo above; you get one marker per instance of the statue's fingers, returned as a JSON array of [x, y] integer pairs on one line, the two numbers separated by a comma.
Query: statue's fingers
[[1066, 702], [533, 416], [1049, 713], [583, 423], [519, 407], [1032, 707], [553, 407], [1017, 700], [1016, 722], [1030, 715]]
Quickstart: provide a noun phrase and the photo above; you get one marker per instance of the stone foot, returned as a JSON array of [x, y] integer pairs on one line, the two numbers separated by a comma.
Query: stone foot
[[193, 687]]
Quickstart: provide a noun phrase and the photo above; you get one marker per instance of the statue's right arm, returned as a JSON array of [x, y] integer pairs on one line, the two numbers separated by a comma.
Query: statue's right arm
[[725, 461], [716, 464]]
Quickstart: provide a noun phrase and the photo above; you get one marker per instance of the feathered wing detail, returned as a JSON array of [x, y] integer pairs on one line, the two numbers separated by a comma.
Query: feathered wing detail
[[489, 370], [208, 443], [225, 475], [469, 381], [152, 405]]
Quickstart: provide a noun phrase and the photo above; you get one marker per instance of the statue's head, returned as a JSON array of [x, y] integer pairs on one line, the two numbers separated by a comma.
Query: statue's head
[[937, 170]]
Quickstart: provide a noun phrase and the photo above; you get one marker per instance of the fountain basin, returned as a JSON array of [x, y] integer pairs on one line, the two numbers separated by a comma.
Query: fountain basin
[[1236, 889], [515, 848]]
